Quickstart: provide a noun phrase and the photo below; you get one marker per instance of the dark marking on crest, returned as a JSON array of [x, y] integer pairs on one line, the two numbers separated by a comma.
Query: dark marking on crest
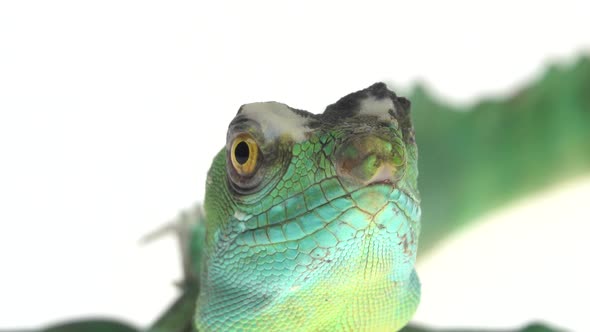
[[349, 106]]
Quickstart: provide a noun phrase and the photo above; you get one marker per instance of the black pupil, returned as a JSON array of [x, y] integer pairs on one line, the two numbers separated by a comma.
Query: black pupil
[[242, 153]]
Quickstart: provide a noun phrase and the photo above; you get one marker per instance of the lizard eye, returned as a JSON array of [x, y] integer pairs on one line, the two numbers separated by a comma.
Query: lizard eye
[[244, 154]]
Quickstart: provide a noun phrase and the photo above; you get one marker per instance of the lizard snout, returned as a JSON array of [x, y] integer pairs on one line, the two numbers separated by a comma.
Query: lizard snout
[[369, 159]]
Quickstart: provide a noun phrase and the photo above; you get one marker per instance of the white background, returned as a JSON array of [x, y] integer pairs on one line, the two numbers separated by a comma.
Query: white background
[[110, 112]]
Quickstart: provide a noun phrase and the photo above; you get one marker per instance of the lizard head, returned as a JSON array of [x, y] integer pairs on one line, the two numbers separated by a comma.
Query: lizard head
[[296, 198]]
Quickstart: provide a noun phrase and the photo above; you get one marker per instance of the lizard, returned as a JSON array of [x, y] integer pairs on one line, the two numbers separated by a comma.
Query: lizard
[[438, 124], [312, 220]]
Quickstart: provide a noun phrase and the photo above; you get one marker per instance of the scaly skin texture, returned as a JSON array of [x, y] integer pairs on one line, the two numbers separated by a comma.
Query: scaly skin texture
[[323, 235]]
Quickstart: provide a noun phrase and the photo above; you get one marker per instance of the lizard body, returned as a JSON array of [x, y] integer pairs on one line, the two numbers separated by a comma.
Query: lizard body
[[468, 159]]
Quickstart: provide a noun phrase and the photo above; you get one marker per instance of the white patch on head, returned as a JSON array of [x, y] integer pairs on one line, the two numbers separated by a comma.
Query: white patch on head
[[276, 119], [377, 107]]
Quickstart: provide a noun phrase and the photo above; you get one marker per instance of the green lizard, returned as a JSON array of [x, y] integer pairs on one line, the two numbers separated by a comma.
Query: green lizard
[[442, 130], [312, 221]]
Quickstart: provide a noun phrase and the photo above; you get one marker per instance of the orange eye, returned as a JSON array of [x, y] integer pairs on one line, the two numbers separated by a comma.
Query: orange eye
[[244, 154]]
